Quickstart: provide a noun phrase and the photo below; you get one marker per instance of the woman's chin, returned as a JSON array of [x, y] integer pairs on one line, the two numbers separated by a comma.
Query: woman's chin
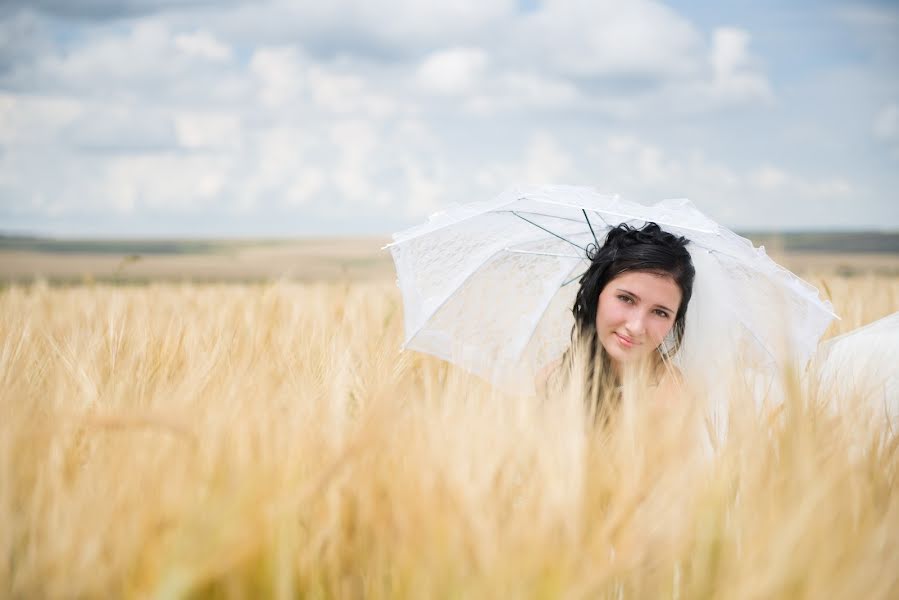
[[618, 354], [624, 356]]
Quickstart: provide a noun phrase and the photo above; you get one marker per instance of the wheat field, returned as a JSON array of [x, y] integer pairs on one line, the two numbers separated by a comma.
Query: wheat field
[[244, 441]]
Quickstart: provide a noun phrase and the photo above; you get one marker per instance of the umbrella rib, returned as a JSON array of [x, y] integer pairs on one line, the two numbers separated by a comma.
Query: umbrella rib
[[601, 218], [449, 295], [737, 258], [543, 253], [753, 334], [627, 216], [494, 210], [590, 225], [410, 337], [539, 214], [536, 323], [548, 231], [656, 221], [541, 237], [573, 279]]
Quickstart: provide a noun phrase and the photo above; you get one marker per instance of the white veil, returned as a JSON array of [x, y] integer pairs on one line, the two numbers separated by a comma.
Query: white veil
[[734, 306]]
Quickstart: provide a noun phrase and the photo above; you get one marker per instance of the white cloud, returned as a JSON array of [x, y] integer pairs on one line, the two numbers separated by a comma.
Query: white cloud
[[769, 178], [544, 160], [23, 37], [281, 75], [424, 23], [356, 139], [143, 55], [202, 44], [886, 123], [348, 94], [454, 71], [349, 27], [109, 127], [886, 128], [868, 15], [636, 39], [145, 63], [524, 91], [644, 171], [305, 109], [30, 120], [774, 179], [736, 77], [208, 130], [630, 165], [273, 161], [356, 142], [621, 59], [466, 76], [170, 182], [306, 184], [729, 50], [425, 192]]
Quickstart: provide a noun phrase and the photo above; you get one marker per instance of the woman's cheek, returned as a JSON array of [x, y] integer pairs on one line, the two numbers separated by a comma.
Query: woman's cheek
[[659, 335]]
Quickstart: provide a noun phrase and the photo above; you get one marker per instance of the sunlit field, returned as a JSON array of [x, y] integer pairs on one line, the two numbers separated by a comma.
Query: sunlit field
[[270, 440]]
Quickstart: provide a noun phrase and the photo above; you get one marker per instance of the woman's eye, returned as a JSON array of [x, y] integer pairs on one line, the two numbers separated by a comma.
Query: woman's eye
[[662, 314], [625, 299]]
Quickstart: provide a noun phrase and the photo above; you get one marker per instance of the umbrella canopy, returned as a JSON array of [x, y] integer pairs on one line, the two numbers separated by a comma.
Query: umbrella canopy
[[858, 370], [490, 285]]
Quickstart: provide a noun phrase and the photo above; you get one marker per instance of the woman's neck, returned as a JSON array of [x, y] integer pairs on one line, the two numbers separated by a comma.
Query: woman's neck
[[653, 369]]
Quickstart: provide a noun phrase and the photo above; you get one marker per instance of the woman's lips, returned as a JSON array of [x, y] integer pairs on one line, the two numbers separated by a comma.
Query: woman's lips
[[625, 341]]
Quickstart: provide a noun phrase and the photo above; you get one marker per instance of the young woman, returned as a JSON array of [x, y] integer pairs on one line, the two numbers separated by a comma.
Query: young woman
[[630, 312]]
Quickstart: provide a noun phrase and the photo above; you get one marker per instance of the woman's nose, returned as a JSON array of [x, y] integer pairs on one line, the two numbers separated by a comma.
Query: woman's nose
[[636, 325]]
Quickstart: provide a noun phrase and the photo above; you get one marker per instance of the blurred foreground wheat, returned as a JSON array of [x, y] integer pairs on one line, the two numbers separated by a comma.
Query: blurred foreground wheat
[[270, 441]]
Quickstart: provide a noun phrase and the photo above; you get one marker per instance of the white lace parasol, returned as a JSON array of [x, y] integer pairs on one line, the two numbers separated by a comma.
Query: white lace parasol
[[490, 285]]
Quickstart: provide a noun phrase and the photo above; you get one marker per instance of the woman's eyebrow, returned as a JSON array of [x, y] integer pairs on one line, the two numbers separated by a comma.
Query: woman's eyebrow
[[662, 306]]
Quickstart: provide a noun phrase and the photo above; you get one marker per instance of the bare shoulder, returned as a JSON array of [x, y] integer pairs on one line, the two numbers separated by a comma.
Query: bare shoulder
[[545, 373]]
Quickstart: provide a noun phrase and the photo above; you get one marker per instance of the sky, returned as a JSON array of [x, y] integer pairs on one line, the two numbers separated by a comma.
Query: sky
[[259, 118]]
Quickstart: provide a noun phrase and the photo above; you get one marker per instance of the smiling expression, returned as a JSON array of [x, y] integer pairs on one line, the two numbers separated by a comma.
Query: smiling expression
[[636, 311]]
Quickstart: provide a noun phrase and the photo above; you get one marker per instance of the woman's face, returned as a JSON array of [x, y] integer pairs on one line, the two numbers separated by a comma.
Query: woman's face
[[636, 311]]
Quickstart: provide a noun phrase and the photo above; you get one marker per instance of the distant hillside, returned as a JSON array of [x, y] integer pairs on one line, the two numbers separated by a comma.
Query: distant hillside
[[100, 246], [829, 242], [25, 259]]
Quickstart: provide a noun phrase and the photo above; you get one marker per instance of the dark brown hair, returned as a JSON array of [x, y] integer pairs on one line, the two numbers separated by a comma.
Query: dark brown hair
[[626, 248]]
